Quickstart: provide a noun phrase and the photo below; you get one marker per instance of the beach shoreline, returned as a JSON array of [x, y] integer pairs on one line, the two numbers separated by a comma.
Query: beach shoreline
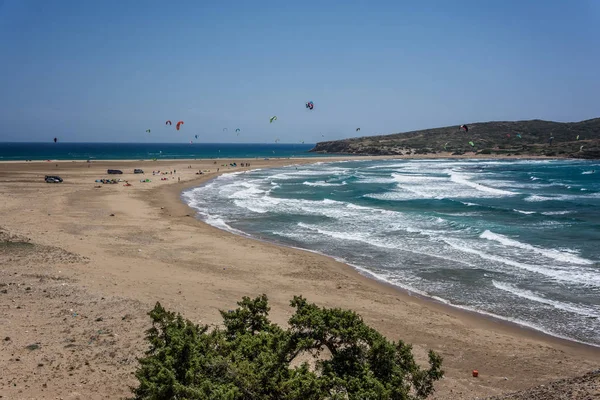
[[154, 249], [405, 291]]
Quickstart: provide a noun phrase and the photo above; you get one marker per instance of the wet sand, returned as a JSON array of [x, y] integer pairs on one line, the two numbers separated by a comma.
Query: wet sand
[[92, 276]]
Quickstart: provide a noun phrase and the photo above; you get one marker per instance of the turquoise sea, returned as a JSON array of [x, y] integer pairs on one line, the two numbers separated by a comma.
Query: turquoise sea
[[519, 240], [137, 151]]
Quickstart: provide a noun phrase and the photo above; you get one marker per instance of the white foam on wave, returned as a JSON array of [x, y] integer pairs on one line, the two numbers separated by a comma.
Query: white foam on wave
[[301, 173], [419, 186], [524, 212], [251, 206], [536, 198], [249, 190], [593, 312], [376, 180], [580, 277], [323, 183], [396, 195], [587, 172], [556, 212], [550, 253], [464, 180], [564, 197], [330, 208], [499, 183], [415, 178], [398, 283], [356, 236], [403, 244], [395, 282], [218, 222]]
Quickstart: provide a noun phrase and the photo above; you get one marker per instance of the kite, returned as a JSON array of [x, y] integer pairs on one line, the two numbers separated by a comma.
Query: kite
[[55, 140], [147, 130], [357, 129], [273, 118], [196, 136], [168, 123], [179, 125], [310, 105], [472, 144]]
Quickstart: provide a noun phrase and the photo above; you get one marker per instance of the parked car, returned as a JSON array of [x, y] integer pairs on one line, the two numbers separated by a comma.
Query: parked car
[[138, 171], [53, 179], [115, 171]]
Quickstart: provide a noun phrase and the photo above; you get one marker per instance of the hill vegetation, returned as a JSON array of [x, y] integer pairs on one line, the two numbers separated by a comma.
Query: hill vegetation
[[498, 137]]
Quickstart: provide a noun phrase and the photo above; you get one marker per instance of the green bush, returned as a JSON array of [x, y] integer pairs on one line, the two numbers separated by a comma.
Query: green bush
[[251, 358]]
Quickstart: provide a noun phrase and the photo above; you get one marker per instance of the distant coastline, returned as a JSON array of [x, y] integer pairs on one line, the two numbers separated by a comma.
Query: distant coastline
[[501, 138]]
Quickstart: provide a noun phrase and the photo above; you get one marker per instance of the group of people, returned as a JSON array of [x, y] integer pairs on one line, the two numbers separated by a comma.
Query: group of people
[[164, 172]]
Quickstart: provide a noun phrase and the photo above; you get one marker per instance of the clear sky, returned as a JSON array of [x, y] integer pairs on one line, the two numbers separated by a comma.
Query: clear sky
[[108, 70]]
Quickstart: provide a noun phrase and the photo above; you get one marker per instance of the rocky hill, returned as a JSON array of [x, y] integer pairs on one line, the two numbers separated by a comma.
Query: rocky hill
[[570, 139]]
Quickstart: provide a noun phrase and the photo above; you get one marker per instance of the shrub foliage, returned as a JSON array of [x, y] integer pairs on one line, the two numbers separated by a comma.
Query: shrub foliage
[[252, 358]]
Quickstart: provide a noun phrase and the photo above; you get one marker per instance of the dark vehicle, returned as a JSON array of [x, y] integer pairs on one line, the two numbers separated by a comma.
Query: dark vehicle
[[138, 171], [115, 171], [53, 179]]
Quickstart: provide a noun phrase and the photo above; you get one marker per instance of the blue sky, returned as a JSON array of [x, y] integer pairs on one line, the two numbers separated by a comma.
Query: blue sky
[[108, 70]]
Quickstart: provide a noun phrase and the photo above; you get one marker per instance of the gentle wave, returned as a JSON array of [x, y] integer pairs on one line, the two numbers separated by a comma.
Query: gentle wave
[[463, 180], [323, 183], [524, 212], [536, 198], [550, 253], [579, 277], [556, 212], [593, 312]]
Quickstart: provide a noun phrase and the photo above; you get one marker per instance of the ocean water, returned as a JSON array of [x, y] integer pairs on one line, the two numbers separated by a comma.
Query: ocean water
[[519, 240], [137, 151]]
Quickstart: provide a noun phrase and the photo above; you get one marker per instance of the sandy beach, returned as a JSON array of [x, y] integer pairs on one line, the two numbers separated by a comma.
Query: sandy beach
[[87, 260]]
